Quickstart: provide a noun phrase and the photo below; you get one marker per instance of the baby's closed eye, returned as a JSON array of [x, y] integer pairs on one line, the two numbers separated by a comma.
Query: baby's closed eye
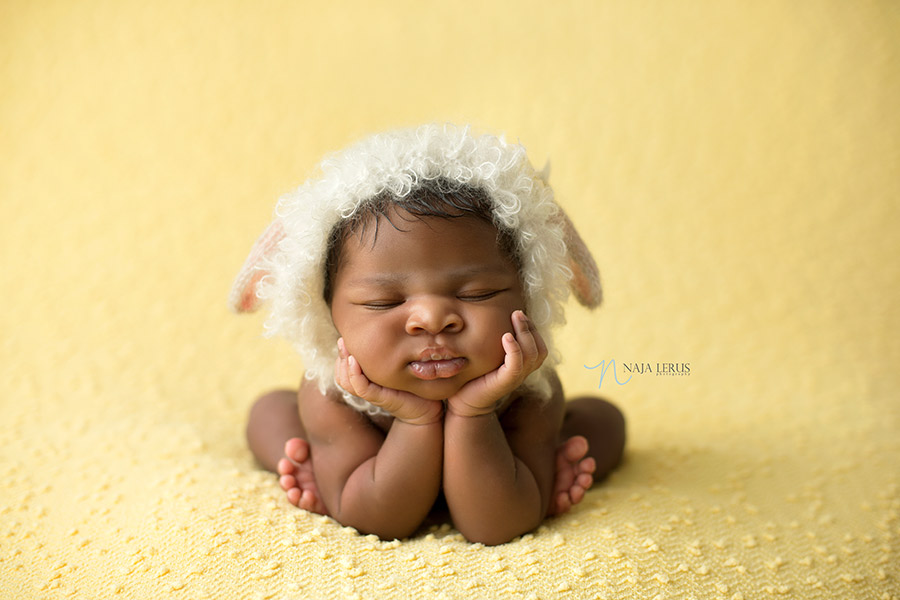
[[479, 295], [380, 303]]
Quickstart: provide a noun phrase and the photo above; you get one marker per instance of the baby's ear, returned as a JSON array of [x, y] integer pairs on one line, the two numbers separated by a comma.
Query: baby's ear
[[243, 296], [585, 283]]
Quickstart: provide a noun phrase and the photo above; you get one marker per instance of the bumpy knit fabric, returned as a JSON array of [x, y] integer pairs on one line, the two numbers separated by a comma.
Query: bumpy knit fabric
[[733, 166]]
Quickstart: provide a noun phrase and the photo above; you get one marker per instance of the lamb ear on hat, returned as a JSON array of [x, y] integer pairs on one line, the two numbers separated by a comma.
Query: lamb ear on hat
[[585, 282], [243, 297]]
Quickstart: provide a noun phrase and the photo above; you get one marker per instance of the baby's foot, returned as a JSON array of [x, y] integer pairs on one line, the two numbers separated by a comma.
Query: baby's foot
[[574, 475], [297, 478]]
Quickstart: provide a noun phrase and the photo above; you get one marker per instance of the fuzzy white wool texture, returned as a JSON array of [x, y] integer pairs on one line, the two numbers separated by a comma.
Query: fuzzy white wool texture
[[398, 162]]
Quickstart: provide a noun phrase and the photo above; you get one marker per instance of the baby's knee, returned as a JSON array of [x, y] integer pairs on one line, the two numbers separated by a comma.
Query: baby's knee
[[273, 419], [611, 413], [613, 421], [274, 401], [270, 408], [603, 424], [596, 410]]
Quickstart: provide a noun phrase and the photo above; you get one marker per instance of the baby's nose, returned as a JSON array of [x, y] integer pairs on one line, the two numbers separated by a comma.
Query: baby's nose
[[433, 316]]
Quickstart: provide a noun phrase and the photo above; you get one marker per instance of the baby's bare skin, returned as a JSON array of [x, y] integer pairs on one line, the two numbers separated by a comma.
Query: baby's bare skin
[[574, 476], [434, 334], [276, 436], [298, 479]]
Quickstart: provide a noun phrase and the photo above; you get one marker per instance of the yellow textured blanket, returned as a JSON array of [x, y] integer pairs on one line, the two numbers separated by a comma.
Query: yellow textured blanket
[[735, 168]]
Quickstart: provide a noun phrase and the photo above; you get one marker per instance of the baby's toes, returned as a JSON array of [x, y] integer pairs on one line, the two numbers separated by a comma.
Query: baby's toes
[[563, 503], [588, 465], [576, 494], [584, 481], [288, 482], [285, 467], [309, 501], [574, 448], [296, 449], [294, 496]]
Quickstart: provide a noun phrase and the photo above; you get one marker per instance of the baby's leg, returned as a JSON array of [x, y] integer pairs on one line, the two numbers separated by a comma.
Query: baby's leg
[[298, 479], [593, 438], [276, 437], [603, 425], [574, 475], [274, 419]]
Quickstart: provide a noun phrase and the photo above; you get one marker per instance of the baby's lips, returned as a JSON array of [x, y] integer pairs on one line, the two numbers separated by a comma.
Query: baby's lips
[[437, 369]]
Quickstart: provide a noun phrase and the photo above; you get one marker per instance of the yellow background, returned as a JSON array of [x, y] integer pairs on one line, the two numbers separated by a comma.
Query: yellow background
[[734, 166]]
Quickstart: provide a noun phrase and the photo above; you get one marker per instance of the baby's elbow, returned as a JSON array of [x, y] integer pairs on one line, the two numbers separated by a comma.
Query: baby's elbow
[[387, 531], [494, 534], [489, 540]]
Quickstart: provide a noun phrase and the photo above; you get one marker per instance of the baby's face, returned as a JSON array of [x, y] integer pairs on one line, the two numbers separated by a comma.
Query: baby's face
[[423, 309]]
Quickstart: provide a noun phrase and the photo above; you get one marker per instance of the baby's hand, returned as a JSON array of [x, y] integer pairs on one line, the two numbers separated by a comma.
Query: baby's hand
[[525, 352], [404, 406]]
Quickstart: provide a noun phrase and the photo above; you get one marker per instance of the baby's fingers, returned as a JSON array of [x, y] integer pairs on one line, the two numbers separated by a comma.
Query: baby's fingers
[[388, 399], [534, 350], [514, 362], [340, 367], [347, 372], [359, 383]]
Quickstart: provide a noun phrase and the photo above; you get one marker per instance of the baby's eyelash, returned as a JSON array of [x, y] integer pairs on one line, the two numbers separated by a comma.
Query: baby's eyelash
[[477, 296], [381, 304]]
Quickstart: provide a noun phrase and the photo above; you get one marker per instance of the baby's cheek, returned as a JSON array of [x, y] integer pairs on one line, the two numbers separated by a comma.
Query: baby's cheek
[[372, 351], [493, 353], [361, 348]]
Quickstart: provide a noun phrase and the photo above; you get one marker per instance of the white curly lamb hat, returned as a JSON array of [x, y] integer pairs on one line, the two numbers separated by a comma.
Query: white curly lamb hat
[[286, 267]]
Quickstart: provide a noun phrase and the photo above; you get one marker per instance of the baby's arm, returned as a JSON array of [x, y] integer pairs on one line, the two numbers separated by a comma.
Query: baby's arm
[[376, 483], [499, 474]]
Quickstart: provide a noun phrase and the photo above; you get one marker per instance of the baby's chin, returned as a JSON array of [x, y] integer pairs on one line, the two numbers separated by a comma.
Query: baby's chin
[[437, 390]]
